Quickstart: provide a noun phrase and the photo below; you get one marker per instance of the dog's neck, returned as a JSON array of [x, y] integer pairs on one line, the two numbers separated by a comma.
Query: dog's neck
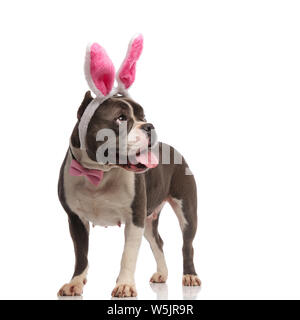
[[82, 157], [110, 177]]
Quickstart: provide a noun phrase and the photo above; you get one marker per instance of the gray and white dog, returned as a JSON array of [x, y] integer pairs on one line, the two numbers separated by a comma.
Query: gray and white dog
[[95, 189]]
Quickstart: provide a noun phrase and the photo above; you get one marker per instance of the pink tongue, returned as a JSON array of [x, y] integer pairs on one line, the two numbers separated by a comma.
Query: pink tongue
[[148, 159]]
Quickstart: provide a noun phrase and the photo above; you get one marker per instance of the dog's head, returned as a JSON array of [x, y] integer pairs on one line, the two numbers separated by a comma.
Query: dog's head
[[118, 134], [111, 128]]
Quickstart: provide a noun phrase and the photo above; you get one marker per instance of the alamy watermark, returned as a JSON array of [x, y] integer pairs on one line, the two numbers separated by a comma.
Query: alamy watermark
[[127, 148]]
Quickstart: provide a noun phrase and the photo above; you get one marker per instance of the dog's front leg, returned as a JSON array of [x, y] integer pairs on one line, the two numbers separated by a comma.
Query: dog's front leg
[[79, 230], [125, 286]]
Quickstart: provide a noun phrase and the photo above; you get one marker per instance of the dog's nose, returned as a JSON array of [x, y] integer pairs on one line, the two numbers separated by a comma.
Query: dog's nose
[[147, 127], [150, 131]]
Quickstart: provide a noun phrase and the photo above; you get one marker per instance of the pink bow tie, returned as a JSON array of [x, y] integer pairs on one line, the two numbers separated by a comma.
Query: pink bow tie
[[94, 176]]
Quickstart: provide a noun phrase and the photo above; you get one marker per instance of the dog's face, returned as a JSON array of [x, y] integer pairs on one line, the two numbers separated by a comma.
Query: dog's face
[[118, 134]]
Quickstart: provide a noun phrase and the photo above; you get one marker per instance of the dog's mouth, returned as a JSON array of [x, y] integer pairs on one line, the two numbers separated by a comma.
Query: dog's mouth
[[141, 162]]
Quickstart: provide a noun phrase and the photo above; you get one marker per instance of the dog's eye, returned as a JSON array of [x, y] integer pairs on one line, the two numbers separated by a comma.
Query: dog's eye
[[122, 117]]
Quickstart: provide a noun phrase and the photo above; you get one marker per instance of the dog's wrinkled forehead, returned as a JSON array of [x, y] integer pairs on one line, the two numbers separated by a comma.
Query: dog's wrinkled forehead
[[115, 107]]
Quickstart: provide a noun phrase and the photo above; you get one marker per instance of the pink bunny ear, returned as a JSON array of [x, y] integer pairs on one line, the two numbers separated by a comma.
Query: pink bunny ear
[[126, 74], [99, 70]]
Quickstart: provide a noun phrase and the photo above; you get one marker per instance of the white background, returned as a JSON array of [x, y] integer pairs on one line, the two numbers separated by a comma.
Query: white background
[[219, 80]]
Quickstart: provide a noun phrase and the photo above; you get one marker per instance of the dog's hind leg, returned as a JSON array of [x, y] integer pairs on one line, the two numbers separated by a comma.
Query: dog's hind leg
[[80, 234], [156, 244], [186, 212]]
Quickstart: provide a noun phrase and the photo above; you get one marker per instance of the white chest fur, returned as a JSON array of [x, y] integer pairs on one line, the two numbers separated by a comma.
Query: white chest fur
[[107, 204]]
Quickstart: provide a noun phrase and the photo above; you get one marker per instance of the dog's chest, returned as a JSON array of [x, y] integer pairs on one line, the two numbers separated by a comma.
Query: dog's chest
[[107, 204]]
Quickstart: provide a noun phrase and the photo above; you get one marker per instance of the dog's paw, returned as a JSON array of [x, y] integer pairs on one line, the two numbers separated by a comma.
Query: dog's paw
[[73, 288], [159, 277], [191, 280], [124, 291]]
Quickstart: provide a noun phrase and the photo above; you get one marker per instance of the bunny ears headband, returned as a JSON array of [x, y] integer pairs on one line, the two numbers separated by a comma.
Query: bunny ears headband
[[100, 76]]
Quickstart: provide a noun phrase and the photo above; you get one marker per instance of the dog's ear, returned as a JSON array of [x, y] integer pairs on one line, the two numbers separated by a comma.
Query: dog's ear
[[126, 74], [85, 102]]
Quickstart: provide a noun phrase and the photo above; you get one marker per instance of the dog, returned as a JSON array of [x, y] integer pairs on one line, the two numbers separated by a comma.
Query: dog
[[95, 189]]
